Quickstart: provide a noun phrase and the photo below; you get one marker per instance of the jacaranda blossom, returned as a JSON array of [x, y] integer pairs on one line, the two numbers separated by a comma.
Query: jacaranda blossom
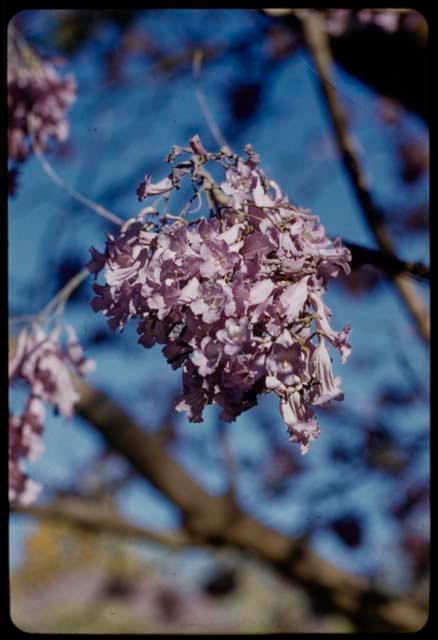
[[235, 300], [46, 366], [38, 100], [340, 21]]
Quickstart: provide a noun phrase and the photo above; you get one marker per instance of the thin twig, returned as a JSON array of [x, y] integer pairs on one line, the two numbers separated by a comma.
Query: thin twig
[[97, 208], [59, 300], [319, 47], [209, 118], [30, 53]]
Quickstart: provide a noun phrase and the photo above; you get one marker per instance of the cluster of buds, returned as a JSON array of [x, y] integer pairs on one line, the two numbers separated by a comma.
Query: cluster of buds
[[38, 99], [46, 366], [235, 299]]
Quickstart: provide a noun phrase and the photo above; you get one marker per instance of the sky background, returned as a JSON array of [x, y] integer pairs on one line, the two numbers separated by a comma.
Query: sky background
[[120, 133]]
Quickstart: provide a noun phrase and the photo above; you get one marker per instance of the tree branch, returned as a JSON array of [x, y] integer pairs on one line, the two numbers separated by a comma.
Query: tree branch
[[86, 517], [391, 264], [319, 47], [393, 63], [208, 519]]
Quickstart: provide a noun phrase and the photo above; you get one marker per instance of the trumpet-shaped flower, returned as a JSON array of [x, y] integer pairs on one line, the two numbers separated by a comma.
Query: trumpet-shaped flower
[[46, 366], [236, 299]]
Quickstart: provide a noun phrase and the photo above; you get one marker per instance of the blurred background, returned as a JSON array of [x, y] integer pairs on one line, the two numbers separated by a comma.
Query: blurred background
[[359, 501]]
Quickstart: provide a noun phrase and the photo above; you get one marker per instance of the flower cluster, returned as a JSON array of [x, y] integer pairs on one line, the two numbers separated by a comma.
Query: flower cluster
[[45, 365], [338, 21], [236, 299], [38, 99]]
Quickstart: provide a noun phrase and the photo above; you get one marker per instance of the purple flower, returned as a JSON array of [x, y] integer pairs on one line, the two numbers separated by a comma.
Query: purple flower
[[211, 301], [300, 420], [207, 356], [146, 188], [236, 299], [217, 260], [321, 366], [240, 182], [293, 298], [338, 339], [194, 398], [234, 335], [285, 363], [46, 366], [262, 199], [38, 100], [261, 291]]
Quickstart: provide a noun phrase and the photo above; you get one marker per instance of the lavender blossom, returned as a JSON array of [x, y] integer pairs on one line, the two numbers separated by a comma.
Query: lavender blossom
[[340, 21], [38, 99], [235, 300], [328, 386], [45, 365]]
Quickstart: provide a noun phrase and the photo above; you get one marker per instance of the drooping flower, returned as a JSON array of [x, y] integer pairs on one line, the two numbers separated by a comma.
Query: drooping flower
[[146, 188], [337, 338], [300, 420], [235, 300], [46, 365], [38, 100], [328, 385]]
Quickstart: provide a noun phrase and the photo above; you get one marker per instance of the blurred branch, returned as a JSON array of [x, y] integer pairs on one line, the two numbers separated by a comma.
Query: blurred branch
[[208, 519], [203, 105], [393, 63], [391, 264], [319, 47], [88, 517], [229, 462]]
